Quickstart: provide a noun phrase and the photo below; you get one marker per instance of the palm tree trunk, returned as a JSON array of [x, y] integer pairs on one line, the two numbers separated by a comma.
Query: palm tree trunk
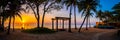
[[75, 17], [38, 18], [82, 24], [13, 23], [0, 20], [8, 30], [3, 23], [87, 23], [69, 30]]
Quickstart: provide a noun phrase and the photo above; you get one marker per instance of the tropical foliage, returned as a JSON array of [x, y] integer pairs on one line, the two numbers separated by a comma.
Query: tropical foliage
[[11, 8], [116, 12], [86, 6]]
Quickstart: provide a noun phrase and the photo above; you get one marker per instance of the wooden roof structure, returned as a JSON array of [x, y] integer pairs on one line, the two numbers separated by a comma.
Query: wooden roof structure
[[60, 18]]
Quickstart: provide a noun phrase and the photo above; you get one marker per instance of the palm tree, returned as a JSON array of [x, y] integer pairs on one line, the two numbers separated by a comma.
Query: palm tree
[[70, 4], [3, 4], [75, 4], [14, 15], [87, 6], [14, 8], [4, 17], [108, 16], [116, 9], [99, 15]]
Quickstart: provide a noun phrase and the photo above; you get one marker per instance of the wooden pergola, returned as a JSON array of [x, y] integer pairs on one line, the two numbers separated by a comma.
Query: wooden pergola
[[59, 18]]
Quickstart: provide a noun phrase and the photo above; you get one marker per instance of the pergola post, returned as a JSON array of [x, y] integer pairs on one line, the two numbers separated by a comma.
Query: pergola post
[[56, 24], [52, 24], [63, 24], [60, 23]]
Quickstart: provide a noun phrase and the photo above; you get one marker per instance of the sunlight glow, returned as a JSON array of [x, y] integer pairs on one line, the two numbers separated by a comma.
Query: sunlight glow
[[23, 26], [23, 22]]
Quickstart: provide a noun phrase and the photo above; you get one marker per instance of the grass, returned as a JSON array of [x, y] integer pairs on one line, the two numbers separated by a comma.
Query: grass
[[39, 31]]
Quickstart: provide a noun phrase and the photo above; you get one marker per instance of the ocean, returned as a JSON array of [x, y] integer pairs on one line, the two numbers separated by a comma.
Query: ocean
[[29, 26]]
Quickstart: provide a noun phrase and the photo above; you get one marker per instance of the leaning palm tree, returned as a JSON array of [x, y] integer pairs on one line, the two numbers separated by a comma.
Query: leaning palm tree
[[87, 6]]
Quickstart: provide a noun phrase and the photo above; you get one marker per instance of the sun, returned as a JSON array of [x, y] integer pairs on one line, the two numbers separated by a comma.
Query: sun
[[23, 24], [23, 21]]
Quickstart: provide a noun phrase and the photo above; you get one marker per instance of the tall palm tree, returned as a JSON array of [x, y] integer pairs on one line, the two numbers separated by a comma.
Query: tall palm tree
[[14, 8], [116, 9], [4, 18], [75, 4], [70, 4], [87, 6], [3, 4]]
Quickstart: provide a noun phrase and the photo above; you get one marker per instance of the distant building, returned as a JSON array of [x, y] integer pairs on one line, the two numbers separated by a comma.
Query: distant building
[[99, 23]]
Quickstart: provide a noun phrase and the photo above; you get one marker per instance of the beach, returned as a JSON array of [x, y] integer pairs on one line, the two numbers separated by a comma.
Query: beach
[[90, 34]]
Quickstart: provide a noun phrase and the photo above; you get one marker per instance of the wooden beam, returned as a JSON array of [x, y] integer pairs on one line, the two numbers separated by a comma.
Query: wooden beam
[[56, 24], [63, 24]]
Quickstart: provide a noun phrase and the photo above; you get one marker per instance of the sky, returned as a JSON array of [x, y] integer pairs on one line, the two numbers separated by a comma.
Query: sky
[[29, 17], [108, 4]]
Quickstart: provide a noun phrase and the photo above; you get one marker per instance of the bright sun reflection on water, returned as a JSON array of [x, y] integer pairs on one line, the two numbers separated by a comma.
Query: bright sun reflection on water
[[23, 22]]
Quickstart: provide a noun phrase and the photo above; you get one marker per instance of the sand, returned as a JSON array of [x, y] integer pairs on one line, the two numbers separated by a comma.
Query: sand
[[91, 34]]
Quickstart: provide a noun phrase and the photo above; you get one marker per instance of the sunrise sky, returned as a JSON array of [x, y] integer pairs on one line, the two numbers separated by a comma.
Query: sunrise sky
[[29, 17]]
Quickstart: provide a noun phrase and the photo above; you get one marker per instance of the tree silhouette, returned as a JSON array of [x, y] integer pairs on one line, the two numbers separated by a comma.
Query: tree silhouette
[[35, 4], [69, 5], [14, 8], [3, 4], [99, 15], [116, 10], [48, 6], [87, 6]]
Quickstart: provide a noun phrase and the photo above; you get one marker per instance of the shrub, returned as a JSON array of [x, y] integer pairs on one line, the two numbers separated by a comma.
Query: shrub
[[39, 31]]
